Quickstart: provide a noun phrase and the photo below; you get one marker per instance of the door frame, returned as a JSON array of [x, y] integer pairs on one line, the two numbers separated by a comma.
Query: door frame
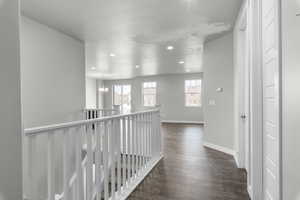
[[256, 99], [278, 27], [254, 12], [251, 10], [113, 95], [243, 60]]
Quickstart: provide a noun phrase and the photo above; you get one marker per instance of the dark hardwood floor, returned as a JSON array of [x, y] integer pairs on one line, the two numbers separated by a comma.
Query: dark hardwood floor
[[191, 172]]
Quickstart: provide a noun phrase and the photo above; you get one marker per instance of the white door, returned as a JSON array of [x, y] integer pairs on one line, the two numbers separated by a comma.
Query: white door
[[271, 100], [244, 95]]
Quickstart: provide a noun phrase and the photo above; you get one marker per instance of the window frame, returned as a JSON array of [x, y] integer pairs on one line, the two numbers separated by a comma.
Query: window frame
[[143, 94], [186, 93]]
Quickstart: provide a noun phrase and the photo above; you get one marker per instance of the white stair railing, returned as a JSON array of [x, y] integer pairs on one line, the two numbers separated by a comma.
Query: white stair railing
[[112, 156]]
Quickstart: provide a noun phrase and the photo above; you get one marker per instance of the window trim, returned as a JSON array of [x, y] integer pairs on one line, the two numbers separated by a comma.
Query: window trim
[[185, 93], [143, 94]]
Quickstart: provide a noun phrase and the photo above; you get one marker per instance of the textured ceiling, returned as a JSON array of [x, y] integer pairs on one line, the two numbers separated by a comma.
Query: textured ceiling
[[121, 34]]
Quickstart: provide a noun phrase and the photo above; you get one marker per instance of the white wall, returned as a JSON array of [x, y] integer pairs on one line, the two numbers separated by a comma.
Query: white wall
[[91, 93], [170, 95], [53, 75], [53, 91], [218, 72], [10, 102], [291, 99]]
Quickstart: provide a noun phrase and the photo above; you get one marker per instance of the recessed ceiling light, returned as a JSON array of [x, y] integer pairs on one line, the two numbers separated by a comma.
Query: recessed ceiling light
[[112, 55], [181, 62], [188, 70], [137, 66], [93, 68], [170, 48]]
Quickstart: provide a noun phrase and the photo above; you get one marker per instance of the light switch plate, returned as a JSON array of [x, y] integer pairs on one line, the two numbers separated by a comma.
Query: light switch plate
[[212, 102]]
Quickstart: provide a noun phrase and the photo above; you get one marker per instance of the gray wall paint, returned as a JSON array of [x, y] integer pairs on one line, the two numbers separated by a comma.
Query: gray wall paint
[[53, 75], [10, 103], [100, 95], [91, 93], [218, 72], [291, 99], [170, 95], [53, 91]]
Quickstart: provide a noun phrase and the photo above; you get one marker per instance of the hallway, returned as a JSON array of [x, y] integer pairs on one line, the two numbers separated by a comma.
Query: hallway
[[191, 172]]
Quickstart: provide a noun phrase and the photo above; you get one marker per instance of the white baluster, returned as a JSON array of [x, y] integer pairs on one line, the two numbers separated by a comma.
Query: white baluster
[[112, 158], [98, 155], [147, 137], [89, 169], [105, 154], [128, 150], [160, 135], [137, 132], [66, 162], [131, 149], [140, 141], [32, 143], [124, 151], [152, 135], [134, 145], [118, 138], [156, 135], [143, 140], [78, 149], [51, 175]]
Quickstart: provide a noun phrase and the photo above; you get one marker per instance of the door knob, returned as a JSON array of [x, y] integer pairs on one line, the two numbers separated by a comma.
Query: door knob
[[243, 116]]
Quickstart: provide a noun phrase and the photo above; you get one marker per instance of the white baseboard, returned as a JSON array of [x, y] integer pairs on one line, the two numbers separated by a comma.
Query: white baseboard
[[249, 189], [182, 122], [219, 148], [236, 159]]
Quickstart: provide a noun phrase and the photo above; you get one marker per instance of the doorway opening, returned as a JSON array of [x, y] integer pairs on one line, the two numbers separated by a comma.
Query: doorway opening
[[122, 97]]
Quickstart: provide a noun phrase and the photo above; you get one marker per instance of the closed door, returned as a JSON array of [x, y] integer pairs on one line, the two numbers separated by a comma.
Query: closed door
[[271, 100]]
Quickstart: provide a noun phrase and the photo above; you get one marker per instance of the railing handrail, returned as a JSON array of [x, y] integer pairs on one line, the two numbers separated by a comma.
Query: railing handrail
[[100, 109], [51, 128]]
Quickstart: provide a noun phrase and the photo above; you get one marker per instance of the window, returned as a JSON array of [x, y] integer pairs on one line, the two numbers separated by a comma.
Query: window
[[149, 94], [193, 93], [122, 97]]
